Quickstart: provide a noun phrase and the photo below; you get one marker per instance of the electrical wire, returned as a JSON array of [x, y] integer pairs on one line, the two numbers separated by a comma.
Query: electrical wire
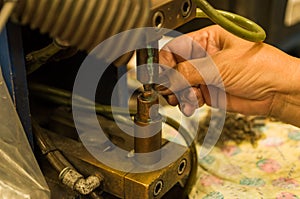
[[237, 25], [5, 12], [64, 97]]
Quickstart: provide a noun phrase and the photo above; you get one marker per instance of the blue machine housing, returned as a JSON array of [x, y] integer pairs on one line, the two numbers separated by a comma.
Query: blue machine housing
[[13, 70]]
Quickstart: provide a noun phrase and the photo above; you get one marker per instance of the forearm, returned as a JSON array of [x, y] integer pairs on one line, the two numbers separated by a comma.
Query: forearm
[[286, 103], [287, 109]]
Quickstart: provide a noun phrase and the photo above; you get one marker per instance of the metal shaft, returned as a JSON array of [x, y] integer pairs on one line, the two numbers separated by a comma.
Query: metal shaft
[[147, 139], [147, 65]]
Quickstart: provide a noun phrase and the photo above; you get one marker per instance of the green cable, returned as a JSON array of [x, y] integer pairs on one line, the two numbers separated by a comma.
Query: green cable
[[64, 97], [236, 24]]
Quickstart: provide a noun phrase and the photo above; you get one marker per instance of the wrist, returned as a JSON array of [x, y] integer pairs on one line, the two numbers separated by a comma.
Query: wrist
[[286, 102], [286, 109]]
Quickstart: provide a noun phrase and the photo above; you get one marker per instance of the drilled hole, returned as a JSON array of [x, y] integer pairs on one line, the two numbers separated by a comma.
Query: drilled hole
[[158, 187], [158, 19], [186, 8], [181, 167]]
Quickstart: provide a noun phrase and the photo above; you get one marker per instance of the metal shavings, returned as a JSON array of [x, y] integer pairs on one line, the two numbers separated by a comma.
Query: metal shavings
[[237, 128]]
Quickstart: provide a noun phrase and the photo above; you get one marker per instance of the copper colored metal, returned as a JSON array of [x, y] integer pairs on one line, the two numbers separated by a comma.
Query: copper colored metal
[[148, 122], [126, 185], [147, 131], [123, 184]]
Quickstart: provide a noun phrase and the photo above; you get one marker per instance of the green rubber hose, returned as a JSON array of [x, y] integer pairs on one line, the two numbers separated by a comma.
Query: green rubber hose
[[237, 25]]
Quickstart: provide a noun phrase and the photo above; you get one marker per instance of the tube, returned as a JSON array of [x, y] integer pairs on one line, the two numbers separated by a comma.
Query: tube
[[237, 25], [67, 173]]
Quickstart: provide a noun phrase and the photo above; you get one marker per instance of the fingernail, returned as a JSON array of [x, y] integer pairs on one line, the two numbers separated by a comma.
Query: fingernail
[[192, 95], [182, 107], [187, 109]]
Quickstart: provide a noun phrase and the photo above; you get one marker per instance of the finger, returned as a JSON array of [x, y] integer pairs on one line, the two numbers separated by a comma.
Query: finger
[[190, 100], [192, 96], [190, 73], [172, 99], [247, 106], [211, 38], [180, 49], [166, 58], [214, 96], [195, 45], [218, 98]]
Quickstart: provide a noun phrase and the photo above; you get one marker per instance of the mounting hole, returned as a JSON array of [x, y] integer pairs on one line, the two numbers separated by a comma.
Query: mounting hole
[[158, 187], [181, 167], [158, 19], [186, 8]]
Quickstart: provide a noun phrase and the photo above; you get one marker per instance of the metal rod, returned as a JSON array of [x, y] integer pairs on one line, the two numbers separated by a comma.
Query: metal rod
[[148, 121]]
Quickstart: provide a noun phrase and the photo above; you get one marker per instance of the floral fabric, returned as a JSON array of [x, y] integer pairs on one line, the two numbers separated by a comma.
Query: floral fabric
[[269, 170]]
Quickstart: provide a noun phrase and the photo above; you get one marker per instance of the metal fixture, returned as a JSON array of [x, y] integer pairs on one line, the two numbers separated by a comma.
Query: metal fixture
[[148, 121], [171, 14], [186, 8], [148, 129], [37, 58], [181, 167], [158, 19], [76, 181], [118, 183], [158, 188], [67, 173]]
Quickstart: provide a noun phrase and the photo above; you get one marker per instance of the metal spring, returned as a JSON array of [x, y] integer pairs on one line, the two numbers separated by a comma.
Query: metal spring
[[82, 23]]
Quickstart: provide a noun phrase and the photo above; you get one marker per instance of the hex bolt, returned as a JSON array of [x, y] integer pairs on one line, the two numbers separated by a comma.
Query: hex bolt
[[181, 167], [158, 188]]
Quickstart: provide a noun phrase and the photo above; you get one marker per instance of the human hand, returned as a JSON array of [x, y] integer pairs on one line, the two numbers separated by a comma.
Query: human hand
[[246, 77]]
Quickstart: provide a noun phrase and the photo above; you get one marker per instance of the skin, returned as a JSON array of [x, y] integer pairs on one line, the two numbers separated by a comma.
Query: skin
[[256, 78]]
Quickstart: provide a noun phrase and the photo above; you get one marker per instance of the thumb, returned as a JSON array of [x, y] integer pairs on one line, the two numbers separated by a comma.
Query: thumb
[[190, 73]]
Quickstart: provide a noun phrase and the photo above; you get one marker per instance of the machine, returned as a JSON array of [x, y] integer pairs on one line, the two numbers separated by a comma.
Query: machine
[[46, 52]]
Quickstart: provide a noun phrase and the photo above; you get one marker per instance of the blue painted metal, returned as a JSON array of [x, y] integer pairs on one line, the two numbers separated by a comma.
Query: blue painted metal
[[14, 73]]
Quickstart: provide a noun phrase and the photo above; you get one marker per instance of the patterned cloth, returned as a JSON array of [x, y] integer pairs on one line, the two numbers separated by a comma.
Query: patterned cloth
[[269, 170]]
